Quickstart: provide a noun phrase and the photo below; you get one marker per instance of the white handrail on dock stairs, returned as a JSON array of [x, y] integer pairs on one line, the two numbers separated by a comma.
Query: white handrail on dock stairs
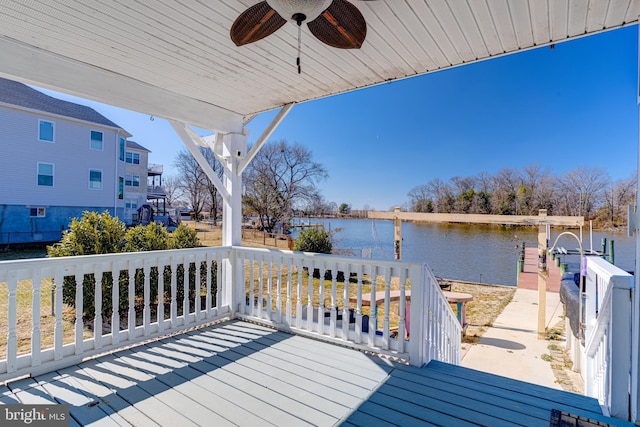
[[608, 325]]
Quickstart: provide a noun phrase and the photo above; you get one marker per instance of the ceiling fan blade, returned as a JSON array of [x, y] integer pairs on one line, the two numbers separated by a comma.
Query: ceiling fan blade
[[341, 25], [255, 23]]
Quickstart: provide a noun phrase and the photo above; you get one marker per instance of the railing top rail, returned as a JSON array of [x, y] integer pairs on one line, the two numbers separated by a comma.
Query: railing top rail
[[333, 259], [606, 270], [24, 264]]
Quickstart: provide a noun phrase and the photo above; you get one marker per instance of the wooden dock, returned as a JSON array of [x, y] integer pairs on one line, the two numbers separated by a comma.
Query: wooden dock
[[236, 373], [528, 279]]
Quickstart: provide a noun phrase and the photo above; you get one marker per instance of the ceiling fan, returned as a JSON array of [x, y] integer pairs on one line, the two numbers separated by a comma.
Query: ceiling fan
[[337, 23]]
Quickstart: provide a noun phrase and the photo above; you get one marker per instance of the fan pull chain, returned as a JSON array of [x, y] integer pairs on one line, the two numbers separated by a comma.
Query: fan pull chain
[[299, 46], [299, 18]]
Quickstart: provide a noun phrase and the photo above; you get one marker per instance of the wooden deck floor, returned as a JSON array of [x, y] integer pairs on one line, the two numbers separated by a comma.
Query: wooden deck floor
[[528, 279], [236, 373]]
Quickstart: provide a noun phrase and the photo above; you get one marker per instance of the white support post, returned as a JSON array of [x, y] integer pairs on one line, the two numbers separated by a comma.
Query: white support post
[[418, 354], [234, 150]]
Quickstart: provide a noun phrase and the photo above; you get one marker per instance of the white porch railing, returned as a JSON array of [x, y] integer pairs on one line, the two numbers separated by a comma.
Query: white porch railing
[[387, 307], [128, 308], [607, 321], [149, 294]]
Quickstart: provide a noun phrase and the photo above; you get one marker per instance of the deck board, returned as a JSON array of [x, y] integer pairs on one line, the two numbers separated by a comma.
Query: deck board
[[238, 373]]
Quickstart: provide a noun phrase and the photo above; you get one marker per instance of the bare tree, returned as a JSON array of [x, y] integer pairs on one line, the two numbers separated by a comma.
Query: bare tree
[[616, 197], [583, 188], [280, 178], [504, 198], [318, 206], [171, 190], [420, 199], [441, 196], [535, 190], [212, 200], [464, 193], [191, 179]]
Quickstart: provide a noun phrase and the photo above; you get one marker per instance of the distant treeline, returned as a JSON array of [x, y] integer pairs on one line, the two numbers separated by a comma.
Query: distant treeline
[[585, 191]]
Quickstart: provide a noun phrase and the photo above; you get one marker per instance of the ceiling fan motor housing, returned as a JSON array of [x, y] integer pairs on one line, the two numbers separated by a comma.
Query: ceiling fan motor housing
[[311, 9]]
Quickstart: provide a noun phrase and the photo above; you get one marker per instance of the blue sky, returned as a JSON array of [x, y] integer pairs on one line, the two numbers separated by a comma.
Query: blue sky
[[571, 106]]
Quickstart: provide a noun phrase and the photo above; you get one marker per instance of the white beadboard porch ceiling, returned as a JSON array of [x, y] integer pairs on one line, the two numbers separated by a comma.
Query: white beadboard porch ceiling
[[143, 55]]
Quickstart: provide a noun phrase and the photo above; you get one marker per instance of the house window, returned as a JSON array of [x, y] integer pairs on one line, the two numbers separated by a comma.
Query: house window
[[131, 204], [121, 148], [120, 188], [37, 212], [96, 140], [45, 174], [95, 179], [132, 180], [45, 131], [133, 158]]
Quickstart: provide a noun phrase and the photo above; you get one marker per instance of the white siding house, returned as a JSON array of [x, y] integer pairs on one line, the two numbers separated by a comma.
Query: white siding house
[[135, 182], [57, 159]]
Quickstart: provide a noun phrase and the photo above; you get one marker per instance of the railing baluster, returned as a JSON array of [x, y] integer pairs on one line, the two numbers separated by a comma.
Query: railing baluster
[[185, 288], [97, 305], [115, 304], [333, 314], [299, 294], [174, 293], [36, 337], [132, 297], [358, 339], [279, 290], [219, 284], [197, 301], [402, 307], [79, 326], [373, 308], [12, 336], [289, 294], [269, 289], [58, 332], [321, 307], [345, 301], [208, 276], [387, 307], [251, 291], [260, 287], [310, 297], [160, 307]]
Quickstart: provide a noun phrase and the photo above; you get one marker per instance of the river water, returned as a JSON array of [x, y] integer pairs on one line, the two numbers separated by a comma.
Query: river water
[[475, 253]]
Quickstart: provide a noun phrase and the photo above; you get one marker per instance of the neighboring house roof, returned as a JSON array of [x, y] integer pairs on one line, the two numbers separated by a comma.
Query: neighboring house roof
[[135, 146], [19, 94]]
